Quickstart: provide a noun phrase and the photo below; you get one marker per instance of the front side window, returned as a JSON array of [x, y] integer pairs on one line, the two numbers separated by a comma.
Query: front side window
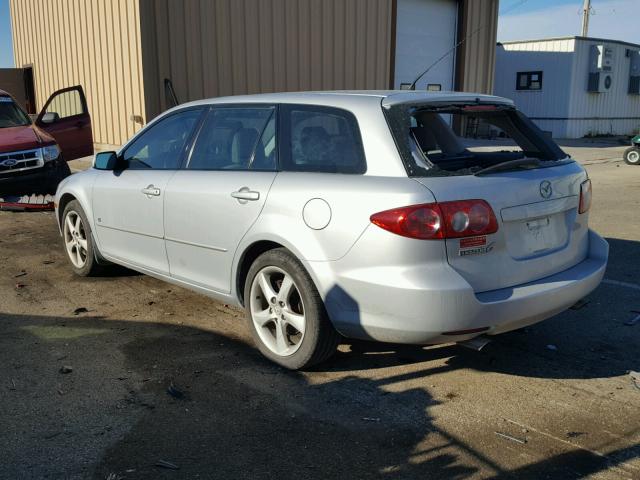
[[11, 115], [529, 81], [66, 104], [323, 139], [236, 138], [162, 145]]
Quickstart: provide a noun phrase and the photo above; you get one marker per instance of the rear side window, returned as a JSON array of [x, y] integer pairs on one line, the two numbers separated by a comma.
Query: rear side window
[[322, 139], [236, 138]]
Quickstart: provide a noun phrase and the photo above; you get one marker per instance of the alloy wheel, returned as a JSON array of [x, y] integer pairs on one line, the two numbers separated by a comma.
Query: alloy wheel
[[75, 239], [277, 311]]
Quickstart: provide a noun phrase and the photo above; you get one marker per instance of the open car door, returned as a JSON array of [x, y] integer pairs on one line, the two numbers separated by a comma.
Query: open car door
[[66, 118]]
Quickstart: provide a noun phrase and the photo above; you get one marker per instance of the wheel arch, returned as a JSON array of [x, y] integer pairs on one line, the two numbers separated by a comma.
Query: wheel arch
[[65, 199], [246, 259]]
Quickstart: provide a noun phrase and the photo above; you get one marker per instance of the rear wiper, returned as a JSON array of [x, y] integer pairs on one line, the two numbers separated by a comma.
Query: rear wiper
[[510, 165]]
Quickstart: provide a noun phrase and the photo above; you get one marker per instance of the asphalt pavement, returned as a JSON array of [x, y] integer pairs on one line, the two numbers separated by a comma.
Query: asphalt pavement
[[124, 376]]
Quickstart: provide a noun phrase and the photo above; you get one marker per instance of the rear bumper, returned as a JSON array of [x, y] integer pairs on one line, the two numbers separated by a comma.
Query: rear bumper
[[419, 314], [39, 180]]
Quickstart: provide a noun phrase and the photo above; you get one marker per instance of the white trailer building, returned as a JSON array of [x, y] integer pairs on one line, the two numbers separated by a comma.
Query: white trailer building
[[574, 86]]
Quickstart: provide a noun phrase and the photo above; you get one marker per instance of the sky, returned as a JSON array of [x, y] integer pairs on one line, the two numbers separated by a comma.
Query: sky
[[6, 50], [533, 19], [519, 20]]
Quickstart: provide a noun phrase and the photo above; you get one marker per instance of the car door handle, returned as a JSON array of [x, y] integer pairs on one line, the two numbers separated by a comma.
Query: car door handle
[[244, 195], [151, 191]]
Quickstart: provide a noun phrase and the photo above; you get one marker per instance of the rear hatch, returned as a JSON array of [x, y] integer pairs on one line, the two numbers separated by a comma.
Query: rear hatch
[[463, 148], [536, 236]]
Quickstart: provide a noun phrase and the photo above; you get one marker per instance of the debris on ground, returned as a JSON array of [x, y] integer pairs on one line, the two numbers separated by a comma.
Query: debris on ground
[[635, 376], [48, 262], [175, 392], [552, 347], [21, 203], [168, 465], [80, 310], [20, 285], [579, 304], [522, 441], [371, 419], [631, 322], [575, 434], [66, 369], [21, 274]]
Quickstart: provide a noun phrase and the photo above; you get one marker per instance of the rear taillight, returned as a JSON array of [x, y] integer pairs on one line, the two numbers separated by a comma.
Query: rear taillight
[[433, 221], [585, 196]]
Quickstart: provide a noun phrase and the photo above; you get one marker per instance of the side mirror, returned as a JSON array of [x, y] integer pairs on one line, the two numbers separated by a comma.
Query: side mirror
[[105, 161], [50, 117]]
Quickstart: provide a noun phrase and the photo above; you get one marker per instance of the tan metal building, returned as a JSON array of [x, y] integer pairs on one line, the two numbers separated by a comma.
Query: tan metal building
[[121, 51]]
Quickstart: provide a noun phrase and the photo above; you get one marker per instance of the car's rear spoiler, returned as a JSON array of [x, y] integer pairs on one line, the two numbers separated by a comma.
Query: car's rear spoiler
[[450, 98]]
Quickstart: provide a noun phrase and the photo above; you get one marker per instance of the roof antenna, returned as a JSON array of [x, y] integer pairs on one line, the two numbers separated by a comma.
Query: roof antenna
[[453, 49], [446, 54]]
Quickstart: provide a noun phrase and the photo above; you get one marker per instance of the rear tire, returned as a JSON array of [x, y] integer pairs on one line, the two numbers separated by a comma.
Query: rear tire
[[632, 156], [78, 241], [286, 315]]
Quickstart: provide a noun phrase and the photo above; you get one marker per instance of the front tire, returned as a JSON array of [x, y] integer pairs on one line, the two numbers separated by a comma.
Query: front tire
[[632, 156], [78, 241], [286, 315]]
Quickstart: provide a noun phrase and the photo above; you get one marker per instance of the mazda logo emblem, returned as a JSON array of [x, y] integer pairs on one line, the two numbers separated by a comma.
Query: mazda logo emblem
[[9, 162], [545, 189]]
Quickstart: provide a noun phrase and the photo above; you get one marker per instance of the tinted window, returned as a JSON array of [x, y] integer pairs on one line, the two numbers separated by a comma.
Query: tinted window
[[162, 145], [236, 139], [323, 140], [529, 81], [10, 114]]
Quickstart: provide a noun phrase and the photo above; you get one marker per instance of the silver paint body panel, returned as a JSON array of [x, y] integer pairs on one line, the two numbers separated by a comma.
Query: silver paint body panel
[[375, 284]]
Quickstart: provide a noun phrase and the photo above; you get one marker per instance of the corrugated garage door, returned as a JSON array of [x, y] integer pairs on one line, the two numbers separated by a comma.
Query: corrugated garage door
[[426, 29]]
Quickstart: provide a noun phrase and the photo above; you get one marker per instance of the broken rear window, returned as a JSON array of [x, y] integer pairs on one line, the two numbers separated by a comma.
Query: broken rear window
[[463, 139]]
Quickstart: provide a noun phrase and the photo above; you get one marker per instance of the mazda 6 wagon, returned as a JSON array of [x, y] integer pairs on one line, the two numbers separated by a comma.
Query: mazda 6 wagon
[[405, 217]]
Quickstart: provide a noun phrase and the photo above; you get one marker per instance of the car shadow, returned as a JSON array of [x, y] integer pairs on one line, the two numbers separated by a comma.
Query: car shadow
[[151, 400]]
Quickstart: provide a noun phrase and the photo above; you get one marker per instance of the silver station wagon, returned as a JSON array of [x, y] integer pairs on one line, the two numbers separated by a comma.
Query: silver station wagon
[[405, 217]]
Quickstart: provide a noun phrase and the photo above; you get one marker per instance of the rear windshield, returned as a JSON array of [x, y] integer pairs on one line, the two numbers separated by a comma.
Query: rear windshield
[[11, 115], [463, 139]]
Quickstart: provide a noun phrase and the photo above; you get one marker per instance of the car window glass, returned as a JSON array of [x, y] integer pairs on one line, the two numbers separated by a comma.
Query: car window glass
[[325, 140], [10, 114], [230, 136], [161, 146], [66, 104]]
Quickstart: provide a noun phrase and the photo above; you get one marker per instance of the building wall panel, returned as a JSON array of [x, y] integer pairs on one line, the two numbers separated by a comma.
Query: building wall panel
[[555, 61], [613, 112], [564, 106], [93, 43], [230, 47], [478, 29]]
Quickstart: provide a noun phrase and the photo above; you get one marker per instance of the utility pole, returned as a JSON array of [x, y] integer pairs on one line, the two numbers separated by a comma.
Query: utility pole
[[586, 11]]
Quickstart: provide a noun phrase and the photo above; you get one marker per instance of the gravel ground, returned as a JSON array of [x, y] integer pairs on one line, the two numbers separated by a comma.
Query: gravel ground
[[518, 409]]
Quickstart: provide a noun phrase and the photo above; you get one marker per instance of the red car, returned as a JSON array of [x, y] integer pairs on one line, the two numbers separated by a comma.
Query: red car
[[34, 154]]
